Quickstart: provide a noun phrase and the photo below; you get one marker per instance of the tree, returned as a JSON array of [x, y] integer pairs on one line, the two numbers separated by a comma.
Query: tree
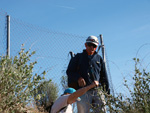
[[17, 81], [49, 90]]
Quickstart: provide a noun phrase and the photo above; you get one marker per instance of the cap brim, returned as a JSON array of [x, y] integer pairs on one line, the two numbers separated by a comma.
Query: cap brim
[[92, 43]]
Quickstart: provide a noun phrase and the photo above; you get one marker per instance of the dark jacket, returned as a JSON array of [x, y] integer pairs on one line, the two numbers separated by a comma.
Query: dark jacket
[[90, 68]]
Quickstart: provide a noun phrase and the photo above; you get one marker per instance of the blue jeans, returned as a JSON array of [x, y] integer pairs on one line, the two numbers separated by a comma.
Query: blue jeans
[[91, 98]]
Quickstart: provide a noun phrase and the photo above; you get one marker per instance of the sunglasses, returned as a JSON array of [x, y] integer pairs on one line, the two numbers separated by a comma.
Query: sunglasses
[[90, 44]]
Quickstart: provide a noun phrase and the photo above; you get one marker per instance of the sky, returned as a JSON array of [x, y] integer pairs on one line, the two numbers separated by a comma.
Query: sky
[[124, 24]]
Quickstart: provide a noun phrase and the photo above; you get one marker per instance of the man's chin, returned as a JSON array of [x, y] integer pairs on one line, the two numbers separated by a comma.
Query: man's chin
[[91, 53]]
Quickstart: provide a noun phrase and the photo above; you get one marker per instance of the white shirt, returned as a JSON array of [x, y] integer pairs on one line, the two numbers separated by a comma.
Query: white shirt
[[60, 103]]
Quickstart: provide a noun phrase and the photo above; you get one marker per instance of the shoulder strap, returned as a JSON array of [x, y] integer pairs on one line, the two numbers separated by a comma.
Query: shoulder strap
[[80, 58], [61, 109]]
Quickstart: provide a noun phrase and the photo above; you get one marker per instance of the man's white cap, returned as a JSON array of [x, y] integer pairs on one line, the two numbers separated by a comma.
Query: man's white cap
[[93, 40]]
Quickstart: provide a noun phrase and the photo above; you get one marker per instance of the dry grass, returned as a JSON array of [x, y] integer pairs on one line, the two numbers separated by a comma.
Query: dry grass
[[31, 108]]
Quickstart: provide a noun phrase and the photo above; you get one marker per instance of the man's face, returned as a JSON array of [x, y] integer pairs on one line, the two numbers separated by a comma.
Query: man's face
[[90, 48]]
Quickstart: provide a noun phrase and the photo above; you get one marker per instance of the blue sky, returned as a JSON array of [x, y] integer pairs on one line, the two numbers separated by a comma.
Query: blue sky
[[125, 25]]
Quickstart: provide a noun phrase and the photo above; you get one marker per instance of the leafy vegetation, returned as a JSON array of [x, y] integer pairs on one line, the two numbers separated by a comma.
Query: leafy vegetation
[[18, 84], [139, 99], [49, 92]]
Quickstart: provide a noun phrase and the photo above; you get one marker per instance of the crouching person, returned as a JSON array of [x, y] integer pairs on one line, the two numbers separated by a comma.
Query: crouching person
[[63, 103]]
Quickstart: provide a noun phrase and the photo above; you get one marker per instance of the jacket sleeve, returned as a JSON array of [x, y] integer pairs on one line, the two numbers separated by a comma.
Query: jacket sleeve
[[72, 70], [103, 77]]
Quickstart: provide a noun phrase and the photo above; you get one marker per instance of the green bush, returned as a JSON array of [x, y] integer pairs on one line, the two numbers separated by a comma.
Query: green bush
[[49, 90], [17, 81], [139, 99]]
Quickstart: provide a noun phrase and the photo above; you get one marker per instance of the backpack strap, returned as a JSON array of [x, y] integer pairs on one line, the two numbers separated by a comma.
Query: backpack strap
[[61, 109], [74, 84]]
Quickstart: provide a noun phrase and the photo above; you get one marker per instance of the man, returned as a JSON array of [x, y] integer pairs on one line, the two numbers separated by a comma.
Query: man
[[83, 69], [63, 103]]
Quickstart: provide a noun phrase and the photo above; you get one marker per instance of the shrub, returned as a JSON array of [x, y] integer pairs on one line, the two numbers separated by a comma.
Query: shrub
[[17, 81], [139, 99], [49, 90]]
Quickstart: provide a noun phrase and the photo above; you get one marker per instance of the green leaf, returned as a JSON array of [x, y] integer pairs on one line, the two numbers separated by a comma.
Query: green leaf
[[44, 73]]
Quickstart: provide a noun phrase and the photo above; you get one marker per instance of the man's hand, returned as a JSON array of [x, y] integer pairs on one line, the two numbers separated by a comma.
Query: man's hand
[[95, 84], [81, 82]]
